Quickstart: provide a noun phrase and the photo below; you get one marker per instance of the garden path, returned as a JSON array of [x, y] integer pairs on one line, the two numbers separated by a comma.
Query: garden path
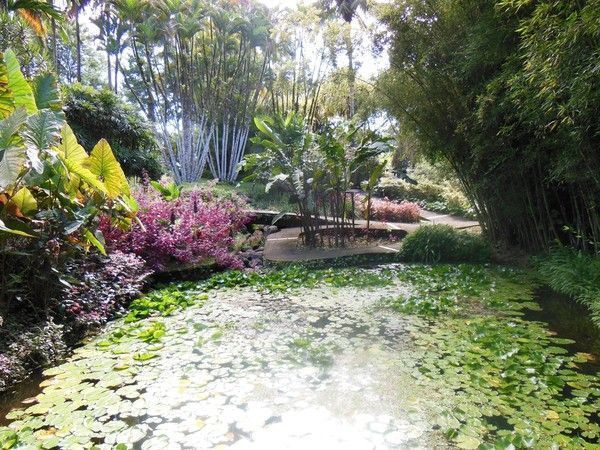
[[282, 246]]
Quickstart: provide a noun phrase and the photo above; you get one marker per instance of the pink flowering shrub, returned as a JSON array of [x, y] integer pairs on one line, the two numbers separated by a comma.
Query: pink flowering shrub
[[195, 227], [389, 211]]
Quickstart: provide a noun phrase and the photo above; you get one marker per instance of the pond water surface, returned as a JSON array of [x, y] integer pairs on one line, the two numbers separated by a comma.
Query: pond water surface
[[391, 357]]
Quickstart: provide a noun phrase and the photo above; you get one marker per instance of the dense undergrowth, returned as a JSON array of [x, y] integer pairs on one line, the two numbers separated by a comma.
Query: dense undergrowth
[[575, 274]]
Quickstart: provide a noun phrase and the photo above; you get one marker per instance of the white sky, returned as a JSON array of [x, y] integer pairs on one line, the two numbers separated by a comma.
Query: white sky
[[283, 3]]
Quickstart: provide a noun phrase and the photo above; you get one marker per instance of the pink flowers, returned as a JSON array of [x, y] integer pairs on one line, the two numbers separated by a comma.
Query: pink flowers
[[194, 228], [389, 211]]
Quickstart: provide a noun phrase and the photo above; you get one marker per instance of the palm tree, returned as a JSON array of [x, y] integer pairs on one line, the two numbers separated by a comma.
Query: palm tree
[[33, 12], [347, 9], [77, 6]]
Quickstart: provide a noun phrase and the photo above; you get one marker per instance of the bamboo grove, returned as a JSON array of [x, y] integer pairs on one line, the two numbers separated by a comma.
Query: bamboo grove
[[507, 92]]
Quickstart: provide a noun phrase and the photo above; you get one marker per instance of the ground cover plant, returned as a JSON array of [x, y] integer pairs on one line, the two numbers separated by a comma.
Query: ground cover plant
[[575, 274], [191, 228], [505, 381], [388, 211]]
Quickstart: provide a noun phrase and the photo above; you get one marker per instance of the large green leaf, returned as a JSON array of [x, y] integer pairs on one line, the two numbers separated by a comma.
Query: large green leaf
[[25, 201], [102, 163], [9, 128], [93, 240], [21, 91], [10, 166], [7, 102], [42, 130], [76, 169], [45, 92], [69, 148]]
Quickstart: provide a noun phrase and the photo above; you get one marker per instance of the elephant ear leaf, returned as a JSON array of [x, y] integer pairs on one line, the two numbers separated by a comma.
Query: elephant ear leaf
[[4, 228], [21, 91], [7, 102], [104, 165], [12, 153], [25, 201], [95, 240], [46, 93], [69, 147], [73, 157]]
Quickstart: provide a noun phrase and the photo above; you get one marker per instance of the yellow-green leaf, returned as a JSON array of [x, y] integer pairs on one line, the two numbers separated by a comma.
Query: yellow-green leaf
[[6, 229], [69, 148], [7, 102], [20, 88], [104, 165], [92, 239], [25, 201], [76, 169]]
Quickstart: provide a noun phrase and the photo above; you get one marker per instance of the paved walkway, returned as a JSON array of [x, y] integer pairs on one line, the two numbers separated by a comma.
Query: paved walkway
[[283, 245]]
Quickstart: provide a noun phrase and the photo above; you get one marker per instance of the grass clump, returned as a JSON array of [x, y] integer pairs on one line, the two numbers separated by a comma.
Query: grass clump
[[442, 243], [575, 274]]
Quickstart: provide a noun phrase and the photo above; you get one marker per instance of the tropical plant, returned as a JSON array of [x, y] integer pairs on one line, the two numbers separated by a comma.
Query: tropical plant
[[316, 170], [197, 70], [95, 114], [193, 229], [51, 191], [33, 12], [168, 191], [575, 274], [505, 92]]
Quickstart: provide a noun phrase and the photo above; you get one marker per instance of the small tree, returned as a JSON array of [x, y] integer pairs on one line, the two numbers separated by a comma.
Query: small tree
[[316, 170]]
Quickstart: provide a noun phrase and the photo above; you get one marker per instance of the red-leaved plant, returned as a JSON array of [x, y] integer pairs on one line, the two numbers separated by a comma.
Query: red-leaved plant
[[194, 228], [389, 211]]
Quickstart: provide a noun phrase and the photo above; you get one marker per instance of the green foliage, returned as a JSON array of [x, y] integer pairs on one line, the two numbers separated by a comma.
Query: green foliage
[[100, 114], [169, 192], [434, 189], [163, 302], [443, 243], [296, 276], [315, 169], [488, 364], [575, 274], [461, 289], [51, 192], [505, 92]]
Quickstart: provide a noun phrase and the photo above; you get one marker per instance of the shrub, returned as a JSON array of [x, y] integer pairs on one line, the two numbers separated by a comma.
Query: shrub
[[101, 288], [575, 274], [194, 228], [388, 211], [96, 114], [442, 243]]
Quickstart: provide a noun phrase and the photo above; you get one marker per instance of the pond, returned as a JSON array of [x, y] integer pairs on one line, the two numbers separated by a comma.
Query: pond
[[391, 356]]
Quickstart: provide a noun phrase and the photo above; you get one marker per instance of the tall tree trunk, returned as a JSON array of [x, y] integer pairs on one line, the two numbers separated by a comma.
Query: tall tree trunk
[[109, 69], [116, 77], [78, 43], [54, 42], [351, 76]]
